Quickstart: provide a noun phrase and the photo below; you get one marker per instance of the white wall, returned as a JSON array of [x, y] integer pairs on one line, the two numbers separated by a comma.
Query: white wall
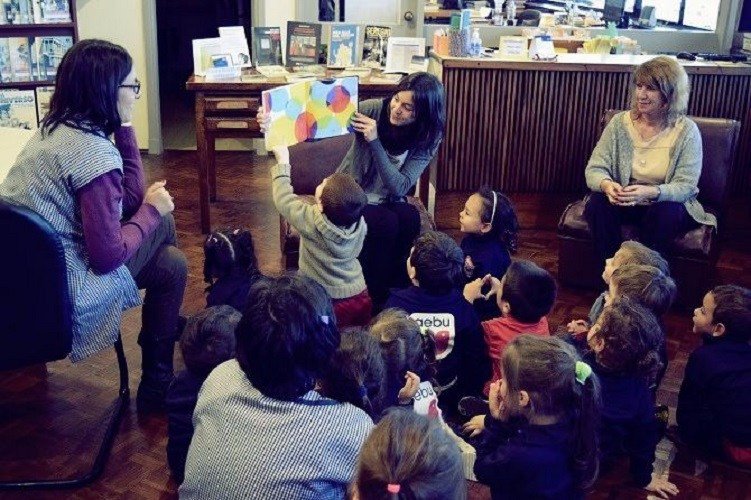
[[121, 22]]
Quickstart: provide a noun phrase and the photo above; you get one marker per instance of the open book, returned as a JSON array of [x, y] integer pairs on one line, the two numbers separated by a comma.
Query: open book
[[312, 109]]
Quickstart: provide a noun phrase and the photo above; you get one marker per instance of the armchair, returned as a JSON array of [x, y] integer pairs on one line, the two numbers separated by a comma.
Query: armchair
[[694, 254]]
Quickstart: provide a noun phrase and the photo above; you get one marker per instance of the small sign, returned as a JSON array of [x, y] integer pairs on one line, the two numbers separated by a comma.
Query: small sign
[[514, 48]]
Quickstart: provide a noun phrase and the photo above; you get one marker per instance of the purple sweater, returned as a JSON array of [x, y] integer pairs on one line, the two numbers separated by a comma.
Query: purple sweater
[[111, 240]]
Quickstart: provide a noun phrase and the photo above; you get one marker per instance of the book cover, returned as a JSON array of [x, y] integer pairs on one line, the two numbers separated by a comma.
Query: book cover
[[18, 109], [20, 59], [267, 46], [53, 11], [344, 46], [46, 54], [303, 43], [312, 109], [43, 95], [374, 47], [235, 44], [6, 72], [17, 12]]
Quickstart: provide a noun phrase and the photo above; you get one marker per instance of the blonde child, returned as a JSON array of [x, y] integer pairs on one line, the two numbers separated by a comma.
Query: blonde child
[[407, 457], [630, 252]]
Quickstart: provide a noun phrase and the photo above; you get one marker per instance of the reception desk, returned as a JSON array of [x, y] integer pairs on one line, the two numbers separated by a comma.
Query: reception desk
[[527, 126]]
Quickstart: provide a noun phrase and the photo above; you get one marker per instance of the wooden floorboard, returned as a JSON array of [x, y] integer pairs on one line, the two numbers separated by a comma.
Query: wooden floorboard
[[50, 416]]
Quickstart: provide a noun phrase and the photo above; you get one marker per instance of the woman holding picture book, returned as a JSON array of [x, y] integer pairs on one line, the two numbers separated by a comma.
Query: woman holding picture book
[[395, 140]]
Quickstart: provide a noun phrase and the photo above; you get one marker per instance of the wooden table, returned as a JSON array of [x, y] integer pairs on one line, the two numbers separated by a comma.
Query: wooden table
[[227, 109]]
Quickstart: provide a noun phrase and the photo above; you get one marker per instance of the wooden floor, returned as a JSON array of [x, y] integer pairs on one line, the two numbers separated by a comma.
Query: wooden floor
[[50, 416]]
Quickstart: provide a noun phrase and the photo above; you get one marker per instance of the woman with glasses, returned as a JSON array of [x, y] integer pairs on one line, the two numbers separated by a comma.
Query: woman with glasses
[[118, 235]]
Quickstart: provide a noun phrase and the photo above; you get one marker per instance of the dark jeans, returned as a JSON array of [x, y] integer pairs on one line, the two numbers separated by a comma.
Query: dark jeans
[[162, 269], [659, 224], [392, 228]]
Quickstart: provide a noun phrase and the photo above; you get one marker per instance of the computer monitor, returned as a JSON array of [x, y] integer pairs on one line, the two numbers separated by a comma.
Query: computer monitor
[[613, 11]]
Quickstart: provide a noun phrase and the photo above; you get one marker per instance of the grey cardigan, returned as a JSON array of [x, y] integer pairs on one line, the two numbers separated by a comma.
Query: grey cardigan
[[613, 156], [328, 253], [382, 176]]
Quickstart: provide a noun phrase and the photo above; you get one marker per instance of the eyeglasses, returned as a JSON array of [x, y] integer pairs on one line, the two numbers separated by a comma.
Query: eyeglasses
[[136, 87]]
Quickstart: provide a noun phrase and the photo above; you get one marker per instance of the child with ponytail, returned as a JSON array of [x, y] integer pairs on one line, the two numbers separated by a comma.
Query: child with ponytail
[[540, 438], [409, 457]]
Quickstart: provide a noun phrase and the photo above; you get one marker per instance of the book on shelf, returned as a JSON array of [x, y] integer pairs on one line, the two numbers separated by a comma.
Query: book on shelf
[[18, 109], [51, 11], [44, 96], [400, 51], [46, 54], [311, 109], [344, 46], [17, 12], [267, 46], [374, 46], [6, 71], [20, 59], [303, 43]]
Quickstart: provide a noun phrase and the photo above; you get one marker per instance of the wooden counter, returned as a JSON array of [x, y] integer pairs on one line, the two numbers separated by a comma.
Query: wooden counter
[[227, 109], [526, 126]]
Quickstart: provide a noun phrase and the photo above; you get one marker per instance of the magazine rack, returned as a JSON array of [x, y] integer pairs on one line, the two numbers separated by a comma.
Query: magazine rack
[[34, 30]]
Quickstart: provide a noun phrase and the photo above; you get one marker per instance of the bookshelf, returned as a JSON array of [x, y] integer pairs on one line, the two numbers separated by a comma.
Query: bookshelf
[[32, 45]]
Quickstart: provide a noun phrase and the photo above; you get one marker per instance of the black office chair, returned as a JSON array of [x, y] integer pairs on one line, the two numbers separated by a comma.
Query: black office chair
[[36, 318], [529, 17]]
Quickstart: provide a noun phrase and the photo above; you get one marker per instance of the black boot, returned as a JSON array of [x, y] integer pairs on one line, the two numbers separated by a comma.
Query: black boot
[[157, 374]]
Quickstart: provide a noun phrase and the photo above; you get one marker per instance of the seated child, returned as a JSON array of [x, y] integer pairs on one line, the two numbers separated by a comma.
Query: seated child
[[714, 404], [408, 355], [624, 343], [356, 372], [490, 227], [229, 267], [539, 439], [435, 302], [409, 456], [525, 295], [207, 340], [630, 252], [332, 233]]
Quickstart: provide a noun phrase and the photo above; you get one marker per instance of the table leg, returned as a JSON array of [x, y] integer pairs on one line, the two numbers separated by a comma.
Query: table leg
[[211, 157], [203, 162]]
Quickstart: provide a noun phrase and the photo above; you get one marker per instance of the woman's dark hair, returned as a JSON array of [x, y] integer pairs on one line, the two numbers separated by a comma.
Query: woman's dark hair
[[504, 224], [411, 451], [404, 348], [545, 367], [429, 106], [209, 338], [86, 88], [287, 335], [529, 290], [733, 309], [356, 373], [226, 251], [438, 262], [631, 337]]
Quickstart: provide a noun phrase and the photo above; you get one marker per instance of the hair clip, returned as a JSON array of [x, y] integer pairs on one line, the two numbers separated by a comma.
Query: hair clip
[[583, 371], [495, 204], [393, 488], [325, 319]]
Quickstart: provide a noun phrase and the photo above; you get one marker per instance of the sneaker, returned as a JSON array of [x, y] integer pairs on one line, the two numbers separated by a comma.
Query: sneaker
[[469, 406]]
